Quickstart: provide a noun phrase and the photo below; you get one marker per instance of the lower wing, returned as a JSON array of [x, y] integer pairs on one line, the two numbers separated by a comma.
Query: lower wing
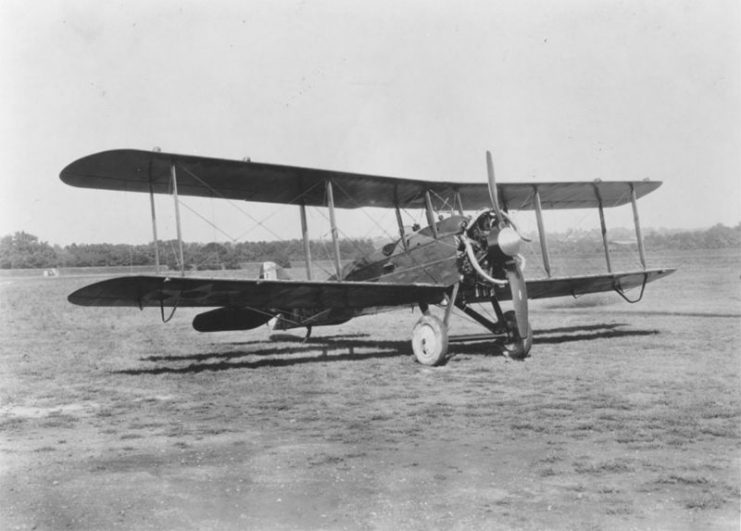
[[581, 285], [142, 291]]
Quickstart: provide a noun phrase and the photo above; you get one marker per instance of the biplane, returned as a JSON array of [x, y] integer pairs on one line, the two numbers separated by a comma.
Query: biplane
[[458, 260]]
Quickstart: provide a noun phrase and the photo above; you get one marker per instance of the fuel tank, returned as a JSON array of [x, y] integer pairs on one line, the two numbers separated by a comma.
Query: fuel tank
[[222, 319]]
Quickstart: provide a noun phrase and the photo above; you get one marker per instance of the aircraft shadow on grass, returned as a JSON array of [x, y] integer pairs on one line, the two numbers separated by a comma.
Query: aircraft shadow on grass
[[343, 348]]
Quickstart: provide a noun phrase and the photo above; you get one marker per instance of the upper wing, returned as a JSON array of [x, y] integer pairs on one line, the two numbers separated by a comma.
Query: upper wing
[[145, 171], [567, 195], [144, 291]]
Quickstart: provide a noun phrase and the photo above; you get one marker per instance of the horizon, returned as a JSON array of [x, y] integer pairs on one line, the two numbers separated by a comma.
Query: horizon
[[579, 231]]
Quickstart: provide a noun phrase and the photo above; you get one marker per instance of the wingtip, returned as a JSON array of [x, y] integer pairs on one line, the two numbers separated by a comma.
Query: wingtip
[[79, 171], [66, 175]]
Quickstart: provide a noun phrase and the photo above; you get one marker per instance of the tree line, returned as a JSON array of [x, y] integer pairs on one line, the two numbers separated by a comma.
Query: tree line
[[22, 250], [624, 240]]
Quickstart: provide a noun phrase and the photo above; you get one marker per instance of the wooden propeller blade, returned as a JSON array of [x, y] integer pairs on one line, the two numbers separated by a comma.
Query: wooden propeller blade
[[518, 287], [493, 193]]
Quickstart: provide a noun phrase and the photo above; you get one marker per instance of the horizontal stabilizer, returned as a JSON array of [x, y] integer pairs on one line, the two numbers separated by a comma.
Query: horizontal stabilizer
[[272, 271]]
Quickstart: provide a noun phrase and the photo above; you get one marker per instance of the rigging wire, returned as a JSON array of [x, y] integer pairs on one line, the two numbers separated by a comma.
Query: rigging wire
[[243, 211], [258, 222]]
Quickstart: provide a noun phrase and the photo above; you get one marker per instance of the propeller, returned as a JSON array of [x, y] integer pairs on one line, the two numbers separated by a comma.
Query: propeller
[[493, 192], [508, 241], [518, 287]]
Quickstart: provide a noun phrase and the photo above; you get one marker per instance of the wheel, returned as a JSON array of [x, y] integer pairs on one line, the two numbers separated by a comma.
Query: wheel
[[430, 340], [518, 348]]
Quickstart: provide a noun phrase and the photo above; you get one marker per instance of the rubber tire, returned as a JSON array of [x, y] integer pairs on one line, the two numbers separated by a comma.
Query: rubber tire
[[520, 348], [430, 341]]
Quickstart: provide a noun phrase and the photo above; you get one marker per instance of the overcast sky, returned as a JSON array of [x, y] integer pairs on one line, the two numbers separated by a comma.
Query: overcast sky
[[570, 90]]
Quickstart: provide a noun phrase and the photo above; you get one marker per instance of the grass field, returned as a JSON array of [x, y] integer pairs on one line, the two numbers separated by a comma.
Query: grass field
[[624, 417]]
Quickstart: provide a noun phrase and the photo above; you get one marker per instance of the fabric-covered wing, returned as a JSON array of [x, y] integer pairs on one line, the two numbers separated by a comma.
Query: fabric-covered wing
[[574, 286], [568, 195], [145, 171], [142, 291]]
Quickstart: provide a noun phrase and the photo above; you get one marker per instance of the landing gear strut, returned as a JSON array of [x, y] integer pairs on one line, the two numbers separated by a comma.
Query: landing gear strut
[[430, 334]]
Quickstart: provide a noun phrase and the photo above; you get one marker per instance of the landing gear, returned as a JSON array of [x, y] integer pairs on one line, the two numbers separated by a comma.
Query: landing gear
[[430, 340], [518, 348], [430, 334], [519, 335]]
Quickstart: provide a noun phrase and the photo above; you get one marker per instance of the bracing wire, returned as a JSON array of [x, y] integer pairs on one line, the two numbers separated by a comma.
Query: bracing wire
[[258, 222]]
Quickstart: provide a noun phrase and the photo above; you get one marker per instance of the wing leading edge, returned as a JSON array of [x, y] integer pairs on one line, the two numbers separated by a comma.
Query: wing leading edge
[[145, 171]]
